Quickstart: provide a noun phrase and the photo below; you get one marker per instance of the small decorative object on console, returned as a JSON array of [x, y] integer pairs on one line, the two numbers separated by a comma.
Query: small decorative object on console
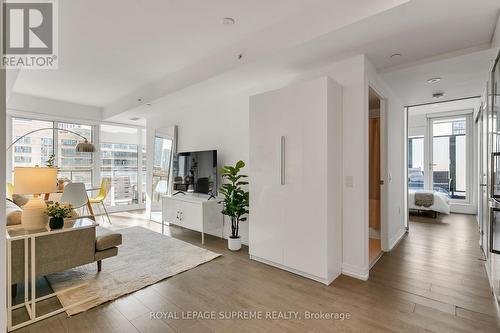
[[57, 213]]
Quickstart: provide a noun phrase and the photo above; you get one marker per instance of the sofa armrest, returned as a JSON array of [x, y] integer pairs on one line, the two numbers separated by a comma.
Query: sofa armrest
[[108, 241]]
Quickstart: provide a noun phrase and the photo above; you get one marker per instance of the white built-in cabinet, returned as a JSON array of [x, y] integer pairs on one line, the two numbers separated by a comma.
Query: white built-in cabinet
[[295, 179]]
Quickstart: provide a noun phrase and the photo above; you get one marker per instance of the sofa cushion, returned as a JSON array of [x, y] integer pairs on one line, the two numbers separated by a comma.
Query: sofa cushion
[[13, 213], [108, 241], [20, 200], [100, 255]]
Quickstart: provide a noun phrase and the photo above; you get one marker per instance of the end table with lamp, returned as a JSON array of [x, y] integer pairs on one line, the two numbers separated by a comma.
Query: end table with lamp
[[34, 180]]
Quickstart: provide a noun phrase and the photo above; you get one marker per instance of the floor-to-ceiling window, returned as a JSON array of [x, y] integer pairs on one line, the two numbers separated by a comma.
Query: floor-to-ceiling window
[[121, 155], [416, 162], [33, 149], [143, 166], [119, 149], [440, 151], [75, 166], [449, 166], [45, 143], [161, 166]]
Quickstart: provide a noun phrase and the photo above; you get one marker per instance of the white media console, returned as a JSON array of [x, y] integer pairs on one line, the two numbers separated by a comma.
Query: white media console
[[195, 212]]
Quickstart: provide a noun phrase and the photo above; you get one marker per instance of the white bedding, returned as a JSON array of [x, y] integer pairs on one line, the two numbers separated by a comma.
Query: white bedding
[[441, 202]]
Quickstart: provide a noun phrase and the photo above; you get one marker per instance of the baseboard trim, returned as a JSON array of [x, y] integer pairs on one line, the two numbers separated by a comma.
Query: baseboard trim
[[355, 272], [376, 259], [397, 238], [294, 271]]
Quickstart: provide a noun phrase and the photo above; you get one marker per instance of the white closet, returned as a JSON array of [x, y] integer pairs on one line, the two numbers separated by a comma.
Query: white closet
[[295, 179]]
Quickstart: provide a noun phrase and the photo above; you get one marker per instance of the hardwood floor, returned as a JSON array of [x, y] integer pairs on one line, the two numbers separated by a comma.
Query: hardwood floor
[[434, 280]]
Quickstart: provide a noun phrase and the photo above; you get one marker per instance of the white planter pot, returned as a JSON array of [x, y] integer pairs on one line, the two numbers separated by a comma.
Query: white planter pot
[[234, 244]]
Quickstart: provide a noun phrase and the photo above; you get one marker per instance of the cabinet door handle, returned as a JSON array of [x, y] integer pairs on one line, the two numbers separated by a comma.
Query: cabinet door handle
[[282, 161]]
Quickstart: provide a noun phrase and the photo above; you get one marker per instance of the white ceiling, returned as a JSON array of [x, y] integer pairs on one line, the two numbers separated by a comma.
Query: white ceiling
[[440, 107], [111, 63], [404, 29], [109, 48], [461, 76]]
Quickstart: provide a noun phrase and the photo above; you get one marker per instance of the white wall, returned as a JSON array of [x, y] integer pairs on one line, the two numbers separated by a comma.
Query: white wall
[[21, 103], [3, 297], [11, 77], [495, 42], [350, 73], [221, 125]]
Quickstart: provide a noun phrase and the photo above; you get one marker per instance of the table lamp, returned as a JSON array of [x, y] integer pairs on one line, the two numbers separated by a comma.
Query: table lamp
[[34, 181]]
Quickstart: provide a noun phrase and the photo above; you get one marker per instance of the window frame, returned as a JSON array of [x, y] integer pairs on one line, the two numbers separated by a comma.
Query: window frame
[[96, 127], [469, 137]]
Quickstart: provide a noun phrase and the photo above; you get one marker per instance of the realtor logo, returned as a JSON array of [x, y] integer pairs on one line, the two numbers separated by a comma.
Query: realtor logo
[[29, 34]]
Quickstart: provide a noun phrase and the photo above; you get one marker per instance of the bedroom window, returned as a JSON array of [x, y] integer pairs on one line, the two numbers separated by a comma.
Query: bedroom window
[[416, 162], [449, 165]]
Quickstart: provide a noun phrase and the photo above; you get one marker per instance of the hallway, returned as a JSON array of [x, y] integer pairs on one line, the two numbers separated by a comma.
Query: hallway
[[438, 266]]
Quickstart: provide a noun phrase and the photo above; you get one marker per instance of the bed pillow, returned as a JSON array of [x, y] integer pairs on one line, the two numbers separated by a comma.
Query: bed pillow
[[415, 174]]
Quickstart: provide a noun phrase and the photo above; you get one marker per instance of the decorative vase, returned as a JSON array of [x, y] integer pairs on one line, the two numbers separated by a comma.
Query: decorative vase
[[234, 244], [56, 222]]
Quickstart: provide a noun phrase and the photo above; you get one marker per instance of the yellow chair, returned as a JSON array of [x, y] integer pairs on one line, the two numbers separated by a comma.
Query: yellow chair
[[103, 192], [10, 190]]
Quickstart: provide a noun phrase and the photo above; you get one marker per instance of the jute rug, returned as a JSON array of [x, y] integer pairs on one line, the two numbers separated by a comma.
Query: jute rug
[[144, 258]]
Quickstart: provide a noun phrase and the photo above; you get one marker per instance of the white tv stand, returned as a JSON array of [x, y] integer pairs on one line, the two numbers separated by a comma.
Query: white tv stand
[[195, 212]]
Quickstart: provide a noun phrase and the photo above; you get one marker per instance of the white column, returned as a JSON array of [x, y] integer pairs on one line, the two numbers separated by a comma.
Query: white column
[[3, 297]]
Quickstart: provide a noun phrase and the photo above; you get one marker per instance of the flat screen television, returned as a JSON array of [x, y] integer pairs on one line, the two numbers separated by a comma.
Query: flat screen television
[[195, 172]]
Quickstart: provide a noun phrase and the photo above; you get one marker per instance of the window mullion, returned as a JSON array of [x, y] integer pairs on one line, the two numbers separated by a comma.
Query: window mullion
[[55, 145]]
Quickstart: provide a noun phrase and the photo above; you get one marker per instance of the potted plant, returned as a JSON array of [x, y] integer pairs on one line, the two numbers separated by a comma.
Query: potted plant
[[57, 213], [235, 201]]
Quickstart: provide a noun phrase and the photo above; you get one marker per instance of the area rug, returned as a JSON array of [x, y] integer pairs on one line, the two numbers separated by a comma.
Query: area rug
[[144, 258]]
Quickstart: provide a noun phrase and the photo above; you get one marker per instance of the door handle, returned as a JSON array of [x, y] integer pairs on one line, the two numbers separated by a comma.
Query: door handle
[[483, 185], [282, 160], [381, 182]]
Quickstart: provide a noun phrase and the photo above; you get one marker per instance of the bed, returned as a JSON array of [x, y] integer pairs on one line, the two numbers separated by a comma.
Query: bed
[[441, 203]]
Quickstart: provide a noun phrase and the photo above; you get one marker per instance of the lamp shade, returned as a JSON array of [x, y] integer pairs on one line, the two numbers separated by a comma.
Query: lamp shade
[[85, 147], [35, 180]]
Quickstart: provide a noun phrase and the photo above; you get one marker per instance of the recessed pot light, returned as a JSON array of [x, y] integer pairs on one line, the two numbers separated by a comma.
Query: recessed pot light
[[228, 21], [434, 80], [134, 118], [149, 104], [438, 95], [396, 55]]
